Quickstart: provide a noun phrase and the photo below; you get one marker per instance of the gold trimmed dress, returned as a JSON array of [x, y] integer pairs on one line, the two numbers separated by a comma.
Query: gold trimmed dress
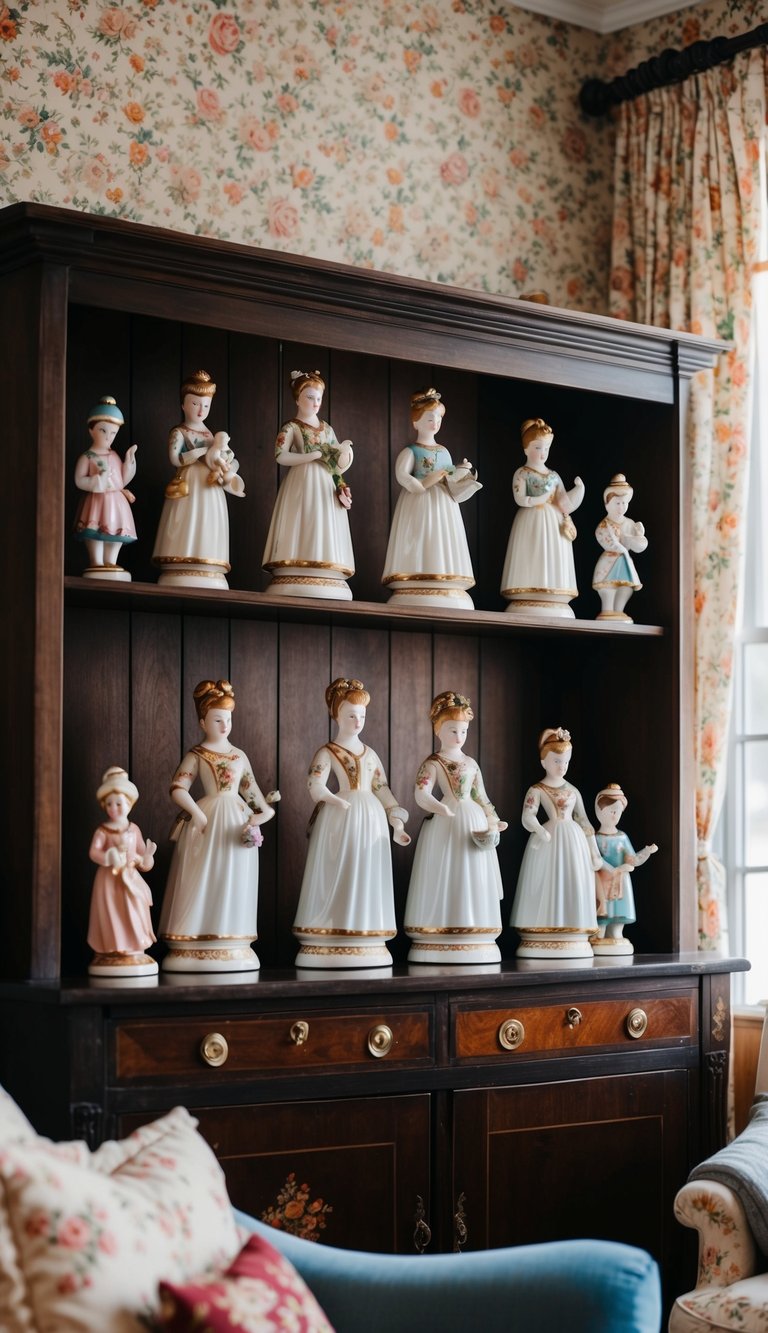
[[194, 523], [556, 884], [309, 526], [539, 558]]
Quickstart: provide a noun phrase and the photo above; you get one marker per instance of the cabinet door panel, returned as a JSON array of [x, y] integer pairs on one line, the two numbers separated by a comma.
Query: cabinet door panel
[[357, 1166], [588, 1158]]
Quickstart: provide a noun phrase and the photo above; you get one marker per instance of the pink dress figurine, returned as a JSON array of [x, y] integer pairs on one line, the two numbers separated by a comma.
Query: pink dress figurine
[[120, 927], [104, 520], [192, 542]]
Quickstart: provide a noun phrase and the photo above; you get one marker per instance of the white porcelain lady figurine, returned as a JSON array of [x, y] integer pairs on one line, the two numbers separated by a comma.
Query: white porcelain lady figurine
[[192, 543], [615, 577], [616, 901], [209, 910], [120, 926], [346, 909], [309, 549], [428, 561], [452, 913], [104, 520], [539, 577], [554, 907]]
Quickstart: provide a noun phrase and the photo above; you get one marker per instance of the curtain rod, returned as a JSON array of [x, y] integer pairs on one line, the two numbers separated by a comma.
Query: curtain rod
[[598, 95]]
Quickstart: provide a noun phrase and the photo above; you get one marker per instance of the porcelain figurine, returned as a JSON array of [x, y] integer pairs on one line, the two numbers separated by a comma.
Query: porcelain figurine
[[615, 577], [104, 520], [120, 926], [428, 561], [554, 907], [192, 543], [615, 899], [309, 548], [539, 576], [346, 909], [452, 913], [211, 898]]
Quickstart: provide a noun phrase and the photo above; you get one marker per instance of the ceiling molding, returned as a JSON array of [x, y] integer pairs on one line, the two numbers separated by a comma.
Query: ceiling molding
[[604, 16]]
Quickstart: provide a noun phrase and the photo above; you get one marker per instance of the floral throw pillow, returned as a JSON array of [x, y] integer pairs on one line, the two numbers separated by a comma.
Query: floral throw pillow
[[91, 1247], [261, 1292]]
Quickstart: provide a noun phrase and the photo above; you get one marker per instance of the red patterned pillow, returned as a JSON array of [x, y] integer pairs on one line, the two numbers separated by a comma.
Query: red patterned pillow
[[259, 1292]]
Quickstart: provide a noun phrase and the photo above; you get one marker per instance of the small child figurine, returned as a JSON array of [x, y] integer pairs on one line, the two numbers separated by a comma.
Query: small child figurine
[[616, 901], [428, 561], [308, 550], [452, 912], [615, 577], [192, 542], [554, 908], [104, 520], [346, 909], [210, 905], [120, 927], [539, 576]]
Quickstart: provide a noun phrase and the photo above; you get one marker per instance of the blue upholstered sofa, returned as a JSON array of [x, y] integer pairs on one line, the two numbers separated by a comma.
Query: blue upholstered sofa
[[573, 1286]]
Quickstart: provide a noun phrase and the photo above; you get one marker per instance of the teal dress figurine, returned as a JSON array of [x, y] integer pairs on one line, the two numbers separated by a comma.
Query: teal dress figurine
[[616, 900]]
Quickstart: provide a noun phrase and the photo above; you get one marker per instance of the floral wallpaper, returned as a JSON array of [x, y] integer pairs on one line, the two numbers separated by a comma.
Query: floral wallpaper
[[438, 139]]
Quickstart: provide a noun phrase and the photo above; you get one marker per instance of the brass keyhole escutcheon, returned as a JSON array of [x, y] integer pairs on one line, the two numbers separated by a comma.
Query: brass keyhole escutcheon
[[214, 1049], [511, 1034], [380, 1040], [637, 1022], [573, 1016], [299, 1031]]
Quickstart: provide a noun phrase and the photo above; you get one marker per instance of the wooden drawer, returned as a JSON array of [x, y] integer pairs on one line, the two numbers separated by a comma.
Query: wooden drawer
[[284, 1044], [545, 1029]]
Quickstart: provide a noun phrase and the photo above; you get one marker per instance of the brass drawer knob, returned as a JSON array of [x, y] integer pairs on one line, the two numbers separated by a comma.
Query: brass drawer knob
[[511, 1034], [298, 1032], [214, 1049], [573, 1016], [380, 1040], [637, 1022]]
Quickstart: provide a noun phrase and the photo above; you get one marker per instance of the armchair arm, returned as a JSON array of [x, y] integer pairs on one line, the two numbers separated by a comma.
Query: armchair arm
[[726, 1248]]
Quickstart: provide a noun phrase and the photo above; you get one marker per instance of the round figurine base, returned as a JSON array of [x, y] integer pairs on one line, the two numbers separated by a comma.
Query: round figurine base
[[541, 605], [300, 582], [618, 617], [608, 947], [118, 965], [209, 956], [554, 944], [115, 573], [343, 951], [466, 950], [425, 594], [190, 574]]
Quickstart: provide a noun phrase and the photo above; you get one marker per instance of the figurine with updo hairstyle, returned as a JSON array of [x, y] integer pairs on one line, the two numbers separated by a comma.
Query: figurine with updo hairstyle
[[428, 561], [453, 913], [104, 520], [211, 898], [615, 577], [120, 925], [192, 543], [309, 549], [554, 907], [539, 576], [346, 909], [616, 901]]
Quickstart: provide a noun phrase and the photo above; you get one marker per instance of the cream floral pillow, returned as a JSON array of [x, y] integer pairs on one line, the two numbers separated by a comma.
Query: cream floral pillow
[[91, 1247]]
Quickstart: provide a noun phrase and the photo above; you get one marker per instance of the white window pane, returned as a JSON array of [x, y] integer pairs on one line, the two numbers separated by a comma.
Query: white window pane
[[756, 937], [756, 802], [756, 687]]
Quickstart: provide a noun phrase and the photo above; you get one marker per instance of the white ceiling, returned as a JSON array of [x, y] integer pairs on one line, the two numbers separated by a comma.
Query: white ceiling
[[604, 15]]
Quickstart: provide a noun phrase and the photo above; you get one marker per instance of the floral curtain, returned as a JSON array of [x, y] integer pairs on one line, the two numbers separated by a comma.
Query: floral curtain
[[687, 213]]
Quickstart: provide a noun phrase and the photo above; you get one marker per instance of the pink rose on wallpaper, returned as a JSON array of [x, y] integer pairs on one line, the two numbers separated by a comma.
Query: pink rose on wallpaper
[[94, 173], [255, 135], [469, 103], [186, 182], [282, 218], [455, 169], [208, 105], [286, 103], [224, 34], [116, 23], [74, 1233]]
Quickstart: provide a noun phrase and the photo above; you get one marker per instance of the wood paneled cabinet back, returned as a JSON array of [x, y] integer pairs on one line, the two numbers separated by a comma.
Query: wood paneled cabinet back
[[440, 1135]]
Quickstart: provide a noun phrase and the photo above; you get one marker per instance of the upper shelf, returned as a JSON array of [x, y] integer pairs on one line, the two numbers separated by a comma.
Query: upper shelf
[[258, 606], [115, 264]]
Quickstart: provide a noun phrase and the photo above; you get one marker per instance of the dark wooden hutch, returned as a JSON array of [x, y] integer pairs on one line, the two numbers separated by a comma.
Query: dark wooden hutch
[[449, 1140]]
